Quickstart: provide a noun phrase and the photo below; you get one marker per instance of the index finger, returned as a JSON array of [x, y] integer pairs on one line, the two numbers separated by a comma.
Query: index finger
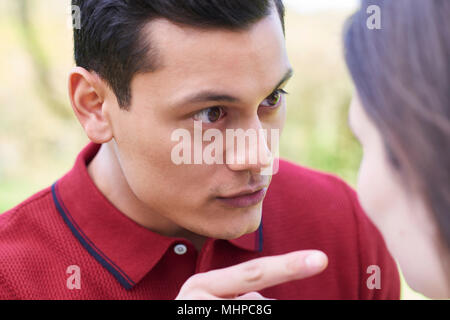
[[261, 273]]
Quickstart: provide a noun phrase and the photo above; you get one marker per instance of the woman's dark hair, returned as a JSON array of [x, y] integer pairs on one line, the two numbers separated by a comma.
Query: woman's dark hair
[[110, 39], [402, 76]]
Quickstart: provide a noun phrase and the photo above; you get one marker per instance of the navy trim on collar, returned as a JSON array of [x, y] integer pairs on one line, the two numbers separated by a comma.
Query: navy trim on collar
[[121, 276]]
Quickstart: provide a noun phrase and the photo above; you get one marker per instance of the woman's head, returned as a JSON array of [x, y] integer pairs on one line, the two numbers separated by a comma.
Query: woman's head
[[401, 114]]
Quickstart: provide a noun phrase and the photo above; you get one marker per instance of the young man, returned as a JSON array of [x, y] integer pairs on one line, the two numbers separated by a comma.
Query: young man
[[127, 222]]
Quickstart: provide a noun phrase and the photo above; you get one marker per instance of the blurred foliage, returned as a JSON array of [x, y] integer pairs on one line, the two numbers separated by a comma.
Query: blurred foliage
[[40, 137], [316, 132], [39, 59]]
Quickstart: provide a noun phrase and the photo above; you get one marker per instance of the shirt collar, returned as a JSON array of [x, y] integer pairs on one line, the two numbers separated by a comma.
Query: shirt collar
[[127, 250]]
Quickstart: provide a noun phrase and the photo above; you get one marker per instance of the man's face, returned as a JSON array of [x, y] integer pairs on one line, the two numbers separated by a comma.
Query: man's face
[[242, 69]]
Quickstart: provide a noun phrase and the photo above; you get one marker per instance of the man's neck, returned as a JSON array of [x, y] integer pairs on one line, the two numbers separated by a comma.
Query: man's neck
[[107, 175]]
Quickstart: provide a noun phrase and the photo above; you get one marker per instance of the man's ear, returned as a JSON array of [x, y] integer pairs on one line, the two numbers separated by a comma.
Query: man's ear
[[87, 94]]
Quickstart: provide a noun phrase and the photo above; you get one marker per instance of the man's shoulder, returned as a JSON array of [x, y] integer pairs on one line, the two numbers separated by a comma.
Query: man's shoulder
[[308, 207], [24, 225], [35, 203], [294, 183], [289, 170], [32, 244]]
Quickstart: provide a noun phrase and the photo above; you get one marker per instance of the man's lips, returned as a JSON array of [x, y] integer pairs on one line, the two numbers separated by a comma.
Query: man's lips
[[244, 199]]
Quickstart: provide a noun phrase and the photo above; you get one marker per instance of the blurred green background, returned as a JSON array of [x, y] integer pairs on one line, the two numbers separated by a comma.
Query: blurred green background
[[40, 137]]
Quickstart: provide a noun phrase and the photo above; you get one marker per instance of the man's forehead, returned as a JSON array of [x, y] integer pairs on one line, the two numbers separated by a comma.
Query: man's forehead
[[180, 45], [211, 59]]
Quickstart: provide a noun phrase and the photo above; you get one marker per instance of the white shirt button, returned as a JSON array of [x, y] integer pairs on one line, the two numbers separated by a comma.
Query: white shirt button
[[180, 249]]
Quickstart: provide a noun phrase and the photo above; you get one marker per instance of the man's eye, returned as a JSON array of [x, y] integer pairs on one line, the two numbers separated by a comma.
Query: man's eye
[[209, 115], [274, 99]]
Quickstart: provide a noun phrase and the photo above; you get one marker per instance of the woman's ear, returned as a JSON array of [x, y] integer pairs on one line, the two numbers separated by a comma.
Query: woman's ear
[[87, 94]]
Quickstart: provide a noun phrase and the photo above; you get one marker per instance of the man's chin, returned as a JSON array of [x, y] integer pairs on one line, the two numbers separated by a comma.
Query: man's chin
[[226, 224], [246, 221]]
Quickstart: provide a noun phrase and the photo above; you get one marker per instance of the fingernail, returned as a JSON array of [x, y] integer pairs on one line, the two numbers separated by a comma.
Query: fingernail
[[315, 260]]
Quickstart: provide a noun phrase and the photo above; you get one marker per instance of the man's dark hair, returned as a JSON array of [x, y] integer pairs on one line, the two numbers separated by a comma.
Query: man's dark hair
[[110, 40]]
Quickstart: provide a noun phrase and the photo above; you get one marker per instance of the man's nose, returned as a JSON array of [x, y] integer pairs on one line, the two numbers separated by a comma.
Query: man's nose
[[247, 149]]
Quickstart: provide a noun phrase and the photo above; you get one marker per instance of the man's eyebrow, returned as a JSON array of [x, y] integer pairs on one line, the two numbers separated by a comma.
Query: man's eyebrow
[[209, 95], [285, 78]]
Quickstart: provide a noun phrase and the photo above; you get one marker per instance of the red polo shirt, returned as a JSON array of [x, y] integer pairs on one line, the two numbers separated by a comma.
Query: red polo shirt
[[69, 242]]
